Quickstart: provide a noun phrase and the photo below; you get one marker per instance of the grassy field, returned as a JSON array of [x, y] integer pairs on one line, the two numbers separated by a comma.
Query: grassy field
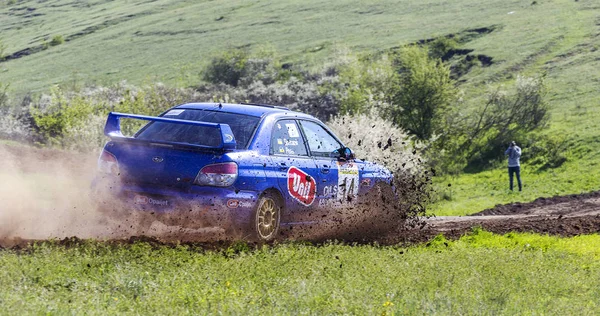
[[170, 41], [109, 41], [481, 273]]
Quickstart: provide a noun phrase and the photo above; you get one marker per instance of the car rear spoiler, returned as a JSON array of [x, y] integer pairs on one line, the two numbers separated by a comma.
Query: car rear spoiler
[[112, 129]]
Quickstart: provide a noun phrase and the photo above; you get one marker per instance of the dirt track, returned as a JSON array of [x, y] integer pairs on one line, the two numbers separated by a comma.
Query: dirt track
[[564, 215], [561, 215]]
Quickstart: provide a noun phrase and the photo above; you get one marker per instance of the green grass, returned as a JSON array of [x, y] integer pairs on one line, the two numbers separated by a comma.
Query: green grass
[[481, 273], [170, 41], [471, 193]]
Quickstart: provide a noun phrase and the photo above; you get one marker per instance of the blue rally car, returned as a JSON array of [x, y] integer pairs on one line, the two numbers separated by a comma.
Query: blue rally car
[[246, 168]]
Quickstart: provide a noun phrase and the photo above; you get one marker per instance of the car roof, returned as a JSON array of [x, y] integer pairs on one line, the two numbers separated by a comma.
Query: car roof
[[247, 109]]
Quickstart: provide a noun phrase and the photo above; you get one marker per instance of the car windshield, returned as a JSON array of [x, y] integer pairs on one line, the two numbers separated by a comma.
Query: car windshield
[[242, 126]]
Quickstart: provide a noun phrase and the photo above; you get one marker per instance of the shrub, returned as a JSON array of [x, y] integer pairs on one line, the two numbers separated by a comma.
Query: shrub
[[59, 117], [424, 93], [377, 140], [546, 151], [439, 47], [505, 117], [61, 113], [57, 40], [368, 83], [227, 68], [11, 126]]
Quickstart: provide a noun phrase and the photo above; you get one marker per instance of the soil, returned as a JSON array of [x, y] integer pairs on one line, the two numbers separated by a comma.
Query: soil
[[568, 215], [560, 215]]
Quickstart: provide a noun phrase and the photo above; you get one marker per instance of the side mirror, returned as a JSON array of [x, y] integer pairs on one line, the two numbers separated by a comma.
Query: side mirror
[[343, 154]]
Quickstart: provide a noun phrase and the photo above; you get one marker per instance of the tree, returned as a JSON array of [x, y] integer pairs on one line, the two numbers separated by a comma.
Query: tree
[[425, 91], [506, 116], [367, 82], [479, 138]]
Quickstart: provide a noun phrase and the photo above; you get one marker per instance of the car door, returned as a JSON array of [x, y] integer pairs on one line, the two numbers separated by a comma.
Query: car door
[[339, 179], [296, 171]]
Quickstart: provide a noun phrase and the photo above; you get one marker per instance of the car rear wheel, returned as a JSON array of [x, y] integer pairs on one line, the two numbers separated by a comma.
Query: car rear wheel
[[267, 217]]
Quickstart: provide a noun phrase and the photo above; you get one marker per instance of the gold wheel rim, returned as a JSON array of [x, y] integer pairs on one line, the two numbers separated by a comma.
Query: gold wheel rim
[[267, 219]]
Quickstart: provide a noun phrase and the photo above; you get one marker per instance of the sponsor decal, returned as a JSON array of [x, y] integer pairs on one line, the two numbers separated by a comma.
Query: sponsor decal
[[228, 138], [330, 191], [292, 130], [143, 200], [301, 186], [279, 141], [233, 203], [174, 112], [347, 180], [237, 203]]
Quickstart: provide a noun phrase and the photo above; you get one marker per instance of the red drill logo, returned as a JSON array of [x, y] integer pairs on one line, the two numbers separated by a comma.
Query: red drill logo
[[301, 186]]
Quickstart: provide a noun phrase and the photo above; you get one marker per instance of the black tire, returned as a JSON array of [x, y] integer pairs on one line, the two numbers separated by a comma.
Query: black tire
[[266, 218]]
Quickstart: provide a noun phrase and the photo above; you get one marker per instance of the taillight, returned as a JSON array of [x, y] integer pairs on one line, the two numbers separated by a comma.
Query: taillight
[[220, 175], [107, 163]]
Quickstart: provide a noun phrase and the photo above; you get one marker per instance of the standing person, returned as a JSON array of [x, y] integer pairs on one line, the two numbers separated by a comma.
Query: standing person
[[514, 166]]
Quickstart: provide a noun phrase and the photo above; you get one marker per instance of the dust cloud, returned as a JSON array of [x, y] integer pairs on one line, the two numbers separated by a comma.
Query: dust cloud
[[45, 194]]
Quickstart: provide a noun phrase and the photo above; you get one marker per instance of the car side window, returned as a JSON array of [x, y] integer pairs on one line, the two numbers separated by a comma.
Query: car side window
[[286, 139], [320, 142]]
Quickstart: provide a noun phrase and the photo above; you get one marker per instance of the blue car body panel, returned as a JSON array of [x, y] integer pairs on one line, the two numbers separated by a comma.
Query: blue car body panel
[[159, 176]]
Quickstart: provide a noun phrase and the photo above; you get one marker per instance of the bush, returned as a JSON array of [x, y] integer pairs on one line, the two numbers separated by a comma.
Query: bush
[[241, 68], [12, 126], [423, 94], [439, 47], [375, 139], [368, 83], [227, 68], [505, 117], [546, 152], [57, 40], [60, 117]]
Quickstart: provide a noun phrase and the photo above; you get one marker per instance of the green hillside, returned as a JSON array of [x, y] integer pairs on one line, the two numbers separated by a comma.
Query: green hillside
[[170, 41], [109, 41]]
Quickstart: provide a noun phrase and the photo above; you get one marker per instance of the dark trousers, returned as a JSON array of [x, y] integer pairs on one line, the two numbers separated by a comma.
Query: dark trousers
[[511, 172]]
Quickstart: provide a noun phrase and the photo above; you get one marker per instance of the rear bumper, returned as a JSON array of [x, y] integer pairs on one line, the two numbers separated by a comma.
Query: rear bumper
[[199, 206]]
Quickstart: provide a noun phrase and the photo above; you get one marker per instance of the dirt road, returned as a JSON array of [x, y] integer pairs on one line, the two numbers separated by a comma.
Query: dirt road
[[561, 215]]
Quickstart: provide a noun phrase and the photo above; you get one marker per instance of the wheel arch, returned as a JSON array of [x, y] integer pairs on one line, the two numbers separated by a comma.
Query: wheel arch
[[277, 193]]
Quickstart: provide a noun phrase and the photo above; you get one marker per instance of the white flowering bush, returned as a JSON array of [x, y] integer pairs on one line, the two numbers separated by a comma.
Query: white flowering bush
[[378, 140]]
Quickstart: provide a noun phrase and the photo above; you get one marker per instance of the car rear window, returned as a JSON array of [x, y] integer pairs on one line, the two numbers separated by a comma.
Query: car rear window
[[242, 126]]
